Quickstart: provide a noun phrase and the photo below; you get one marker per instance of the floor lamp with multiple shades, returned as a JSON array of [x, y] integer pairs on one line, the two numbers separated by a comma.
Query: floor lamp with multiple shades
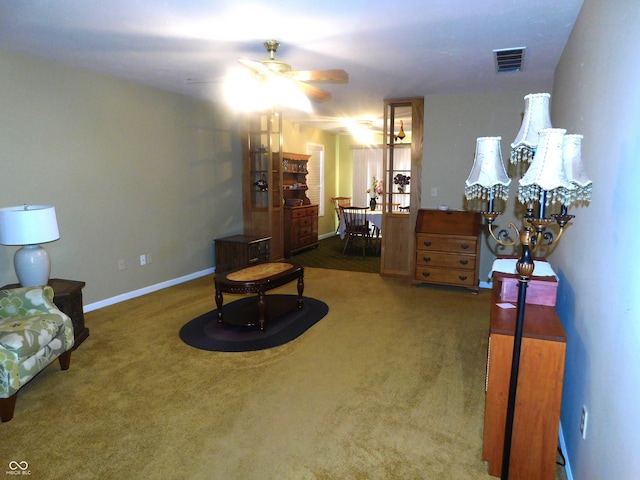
[[555, 175], [28, 226]]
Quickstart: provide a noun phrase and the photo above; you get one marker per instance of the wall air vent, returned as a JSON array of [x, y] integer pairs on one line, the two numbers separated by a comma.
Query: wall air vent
[[509, 59]]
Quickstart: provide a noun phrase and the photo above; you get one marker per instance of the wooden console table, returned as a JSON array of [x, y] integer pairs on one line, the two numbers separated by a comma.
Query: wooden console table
[[539, 394]]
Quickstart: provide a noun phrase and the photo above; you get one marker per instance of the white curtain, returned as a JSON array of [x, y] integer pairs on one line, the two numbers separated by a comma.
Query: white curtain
[[315, 177], [367, 163], [402, 159]]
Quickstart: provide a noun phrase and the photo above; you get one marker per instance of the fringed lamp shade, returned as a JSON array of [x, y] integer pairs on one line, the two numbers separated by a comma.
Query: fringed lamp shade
[[488, 179], [580, 191], [546, 180], [536, 117]]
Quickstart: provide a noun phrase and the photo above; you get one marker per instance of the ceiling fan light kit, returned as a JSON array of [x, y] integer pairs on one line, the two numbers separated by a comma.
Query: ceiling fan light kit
[[279, 85]]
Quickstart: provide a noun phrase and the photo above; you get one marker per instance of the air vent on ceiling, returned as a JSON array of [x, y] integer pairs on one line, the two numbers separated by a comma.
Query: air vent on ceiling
[[509, 59]]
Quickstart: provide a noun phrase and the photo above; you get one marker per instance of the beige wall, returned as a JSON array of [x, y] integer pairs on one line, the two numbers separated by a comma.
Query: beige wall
[[596, 94], [131, 170], [452, 125]]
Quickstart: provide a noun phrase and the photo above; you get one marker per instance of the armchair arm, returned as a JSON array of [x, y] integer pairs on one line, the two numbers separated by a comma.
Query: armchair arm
[[26, 301]]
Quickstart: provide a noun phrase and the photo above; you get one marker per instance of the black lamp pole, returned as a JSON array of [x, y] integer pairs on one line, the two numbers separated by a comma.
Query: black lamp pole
[[524, 267]]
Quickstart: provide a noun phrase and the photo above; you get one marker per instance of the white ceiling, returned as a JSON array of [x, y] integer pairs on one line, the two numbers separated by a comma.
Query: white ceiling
[[391, 49]]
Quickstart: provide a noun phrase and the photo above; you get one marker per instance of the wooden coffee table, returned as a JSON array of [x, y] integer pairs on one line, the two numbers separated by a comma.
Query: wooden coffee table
[[258, 279]]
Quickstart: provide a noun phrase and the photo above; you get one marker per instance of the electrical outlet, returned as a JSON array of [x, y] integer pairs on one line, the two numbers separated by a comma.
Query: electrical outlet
[[120, 264], [434, 191], [143, 259], [583, 422]]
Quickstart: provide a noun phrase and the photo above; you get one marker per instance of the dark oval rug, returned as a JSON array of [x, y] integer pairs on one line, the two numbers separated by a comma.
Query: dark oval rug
[[240, 331]]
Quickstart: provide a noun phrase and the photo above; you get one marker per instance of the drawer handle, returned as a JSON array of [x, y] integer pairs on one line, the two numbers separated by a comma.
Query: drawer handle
[[462, 277], [427, 244], [426, 259], [464, 246], [464, 262], [425, 274]]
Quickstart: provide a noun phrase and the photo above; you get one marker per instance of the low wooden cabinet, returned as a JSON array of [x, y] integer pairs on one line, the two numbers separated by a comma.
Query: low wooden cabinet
[[447, 248], [238, 251], [539, 394], [300, 228]]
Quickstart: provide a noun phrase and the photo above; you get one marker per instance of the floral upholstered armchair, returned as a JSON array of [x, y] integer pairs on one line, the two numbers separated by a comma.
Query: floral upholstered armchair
[[33, 333]]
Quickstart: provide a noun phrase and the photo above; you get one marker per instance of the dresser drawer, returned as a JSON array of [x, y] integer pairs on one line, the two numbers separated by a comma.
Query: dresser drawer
[[425, 258], [447, 276], [305, 230], [305, 221], [446, 243], [298, 212]]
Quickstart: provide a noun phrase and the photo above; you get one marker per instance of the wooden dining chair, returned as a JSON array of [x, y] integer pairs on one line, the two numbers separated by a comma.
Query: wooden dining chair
[[337, 203], [356, 226]]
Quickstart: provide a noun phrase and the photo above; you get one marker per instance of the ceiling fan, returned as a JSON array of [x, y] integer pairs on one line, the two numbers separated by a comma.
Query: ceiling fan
[[302, 79]]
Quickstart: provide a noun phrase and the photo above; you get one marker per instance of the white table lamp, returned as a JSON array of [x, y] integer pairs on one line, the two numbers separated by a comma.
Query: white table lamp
[[28, 226]]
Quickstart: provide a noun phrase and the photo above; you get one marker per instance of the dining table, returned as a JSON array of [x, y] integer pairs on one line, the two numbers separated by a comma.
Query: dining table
[[374, 217]]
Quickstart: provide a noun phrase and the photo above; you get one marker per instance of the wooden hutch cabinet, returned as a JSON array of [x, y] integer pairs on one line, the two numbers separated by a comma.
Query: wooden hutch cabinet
[[300, 217], [448, 248], [262, 180], [539, 394]]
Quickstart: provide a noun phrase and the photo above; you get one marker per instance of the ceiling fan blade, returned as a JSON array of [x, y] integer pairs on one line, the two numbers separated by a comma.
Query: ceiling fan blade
[[256, 66], [314, 93], [321, 76]]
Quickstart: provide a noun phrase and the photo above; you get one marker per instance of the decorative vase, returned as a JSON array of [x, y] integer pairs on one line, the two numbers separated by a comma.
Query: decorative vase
[[400, 188], [372, 204]]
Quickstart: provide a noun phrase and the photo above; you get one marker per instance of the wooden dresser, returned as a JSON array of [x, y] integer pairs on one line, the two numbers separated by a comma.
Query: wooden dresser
[[300, 228], [447, 248], [539, 394]]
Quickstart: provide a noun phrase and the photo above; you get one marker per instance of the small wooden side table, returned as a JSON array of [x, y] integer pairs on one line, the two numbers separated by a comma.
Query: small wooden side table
[[68, 298], [239, 251]]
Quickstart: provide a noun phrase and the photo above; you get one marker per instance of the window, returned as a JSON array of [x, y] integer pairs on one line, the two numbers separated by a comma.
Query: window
[[315, 178]]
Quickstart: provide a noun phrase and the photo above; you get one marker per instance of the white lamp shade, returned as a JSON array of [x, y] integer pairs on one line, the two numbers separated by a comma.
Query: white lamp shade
[[546, 172], [488, 178], [574, 168], [28, 225], [536, 117]]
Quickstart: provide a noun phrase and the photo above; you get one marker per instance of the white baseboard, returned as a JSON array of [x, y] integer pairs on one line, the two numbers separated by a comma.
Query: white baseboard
[[143, 291], [563, 449]]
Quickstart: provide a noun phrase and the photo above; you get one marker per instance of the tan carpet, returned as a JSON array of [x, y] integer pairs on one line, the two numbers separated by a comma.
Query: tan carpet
[[389, 385]]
